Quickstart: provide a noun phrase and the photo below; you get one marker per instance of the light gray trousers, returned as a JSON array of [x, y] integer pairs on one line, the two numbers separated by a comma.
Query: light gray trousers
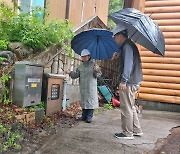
[[129, 116]]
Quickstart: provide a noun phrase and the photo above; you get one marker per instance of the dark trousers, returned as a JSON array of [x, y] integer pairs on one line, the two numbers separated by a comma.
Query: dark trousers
[[87, 114]]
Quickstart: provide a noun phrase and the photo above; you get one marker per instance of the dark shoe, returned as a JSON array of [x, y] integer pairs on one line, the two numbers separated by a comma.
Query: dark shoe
[[122, 136], [88, 121]]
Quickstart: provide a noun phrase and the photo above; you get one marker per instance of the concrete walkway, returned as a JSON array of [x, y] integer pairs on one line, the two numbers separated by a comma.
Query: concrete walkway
[[97, 137]]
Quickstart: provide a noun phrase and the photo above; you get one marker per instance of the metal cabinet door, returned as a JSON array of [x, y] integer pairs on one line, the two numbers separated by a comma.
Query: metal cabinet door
[[33, 85], [54, 95]]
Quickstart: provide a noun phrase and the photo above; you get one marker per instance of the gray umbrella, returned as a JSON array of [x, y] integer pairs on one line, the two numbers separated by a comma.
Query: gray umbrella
[[141, 29]]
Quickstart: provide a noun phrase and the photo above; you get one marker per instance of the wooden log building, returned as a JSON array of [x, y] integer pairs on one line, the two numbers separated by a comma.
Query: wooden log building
[[162, 74]]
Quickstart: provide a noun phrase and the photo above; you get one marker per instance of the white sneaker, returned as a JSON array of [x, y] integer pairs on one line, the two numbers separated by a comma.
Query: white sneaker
[[137, 134]]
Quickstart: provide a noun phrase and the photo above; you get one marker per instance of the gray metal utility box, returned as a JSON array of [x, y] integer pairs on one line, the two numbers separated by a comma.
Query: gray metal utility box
[[52, 92], [27, 83]]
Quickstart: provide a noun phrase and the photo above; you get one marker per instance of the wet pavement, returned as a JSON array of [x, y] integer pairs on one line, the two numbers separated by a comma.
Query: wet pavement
[[98, 136]]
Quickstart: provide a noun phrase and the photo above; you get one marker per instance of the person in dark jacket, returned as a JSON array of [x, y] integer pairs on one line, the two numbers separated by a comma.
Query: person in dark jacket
[[130, 78], [87, 72]]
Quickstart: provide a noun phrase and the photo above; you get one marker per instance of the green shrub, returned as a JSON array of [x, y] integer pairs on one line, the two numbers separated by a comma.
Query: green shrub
[[108, 106], [33, 31], [5, 89], [3, 44], [10, 138]]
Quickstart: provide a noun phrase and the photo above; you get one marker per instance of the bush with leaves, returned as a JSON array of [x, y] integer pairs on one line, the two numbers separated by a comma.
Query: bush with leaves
[[4, 96], [33, 31], [114, 5], [6, 22]]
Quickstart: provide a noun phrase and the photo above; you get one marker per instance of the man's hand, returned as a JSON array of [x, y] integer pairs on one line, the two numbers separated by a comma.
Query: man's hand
[[96, 68], [115, 56], [67, 72], [122, 86]]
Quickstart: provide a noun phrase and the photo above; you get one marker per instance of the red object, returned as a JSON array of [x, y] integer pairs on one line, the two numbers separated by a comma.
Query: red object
[[115, 102]]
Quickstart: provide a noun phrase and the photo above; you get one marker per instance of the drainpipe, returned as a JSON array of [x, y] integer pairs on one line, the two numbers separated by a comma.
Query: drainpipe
[[82, 11], [64, 102], [67, 9], [95, 8]]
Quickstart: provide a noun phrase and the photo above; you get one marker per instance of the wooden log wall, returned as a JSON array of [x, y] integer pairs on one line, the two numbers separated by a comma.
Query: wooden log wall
[[162, 74]]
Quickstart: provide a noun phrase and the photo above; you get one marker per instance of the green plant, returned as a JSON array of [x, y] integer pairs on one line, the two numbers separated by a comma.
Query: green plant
[[2, 59], [32, 30], [5, 89], [6, 100], [11, 142], [51, 123], [6, 19], [108, 106], [4, 44], [114, 5], [1, 110], [42, 105], [2, 129], [33, 108], [11, 139], [48, 121], [17, 146], [5, 78], [10, 116]]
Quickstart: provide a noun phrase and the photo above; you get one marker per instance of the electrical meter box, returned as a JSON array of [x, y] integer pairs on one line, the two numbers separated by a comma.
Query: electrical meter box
[[52, 92], [27, 83]]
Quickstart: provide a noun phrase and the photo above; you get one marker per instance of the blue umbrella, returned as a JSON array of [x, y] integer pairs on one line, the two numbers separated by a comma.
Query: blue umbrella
[[98, 41]]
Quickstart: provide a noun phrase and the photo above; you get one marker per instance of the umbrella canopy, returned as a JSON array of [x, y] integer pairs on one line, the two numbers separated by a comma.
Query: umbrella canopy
[[141, 29], [99, 42]]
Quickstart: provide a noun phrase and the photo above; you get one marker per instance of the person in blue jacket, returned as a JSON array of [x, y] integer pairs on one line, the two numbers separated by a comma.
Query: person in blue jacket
[[130, 78]]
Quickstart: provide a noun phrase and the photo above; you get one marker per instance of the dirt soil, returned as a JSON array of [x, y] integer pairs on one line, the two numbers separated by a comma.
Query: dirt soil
[[169, 145], [35, 135], [39, 136]]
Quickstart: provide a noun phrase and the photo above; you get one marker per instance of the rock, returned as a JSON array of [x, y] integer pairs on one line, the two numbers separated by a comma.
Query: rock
[[42, 134], [8, 55], [20, 50]]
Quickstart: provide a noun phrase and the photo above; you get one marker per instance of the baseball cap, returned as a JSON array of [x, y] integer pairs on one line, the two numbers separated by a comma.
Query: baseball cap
[[85, 52], [118, 28]]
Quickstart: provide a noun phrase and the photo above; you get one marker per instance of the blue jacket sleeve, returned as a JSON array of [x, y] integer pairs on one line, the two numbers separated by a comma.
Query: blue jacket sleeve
[[128, 63]]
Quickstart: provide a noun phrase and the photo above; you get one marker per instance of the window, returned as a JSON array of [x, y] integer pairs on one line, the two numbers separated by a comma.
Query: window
[[28, 5]]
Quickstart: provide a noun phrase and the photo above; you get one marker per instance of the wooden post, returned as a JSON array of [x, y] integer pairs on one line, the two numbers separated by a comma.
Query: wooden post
[[138, 4], [128, 3]]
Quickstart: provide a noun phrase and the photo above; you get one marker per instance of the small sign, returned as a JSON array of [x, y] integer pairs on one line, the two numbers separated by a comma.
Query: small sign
[[33, 85], [34, 80]]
